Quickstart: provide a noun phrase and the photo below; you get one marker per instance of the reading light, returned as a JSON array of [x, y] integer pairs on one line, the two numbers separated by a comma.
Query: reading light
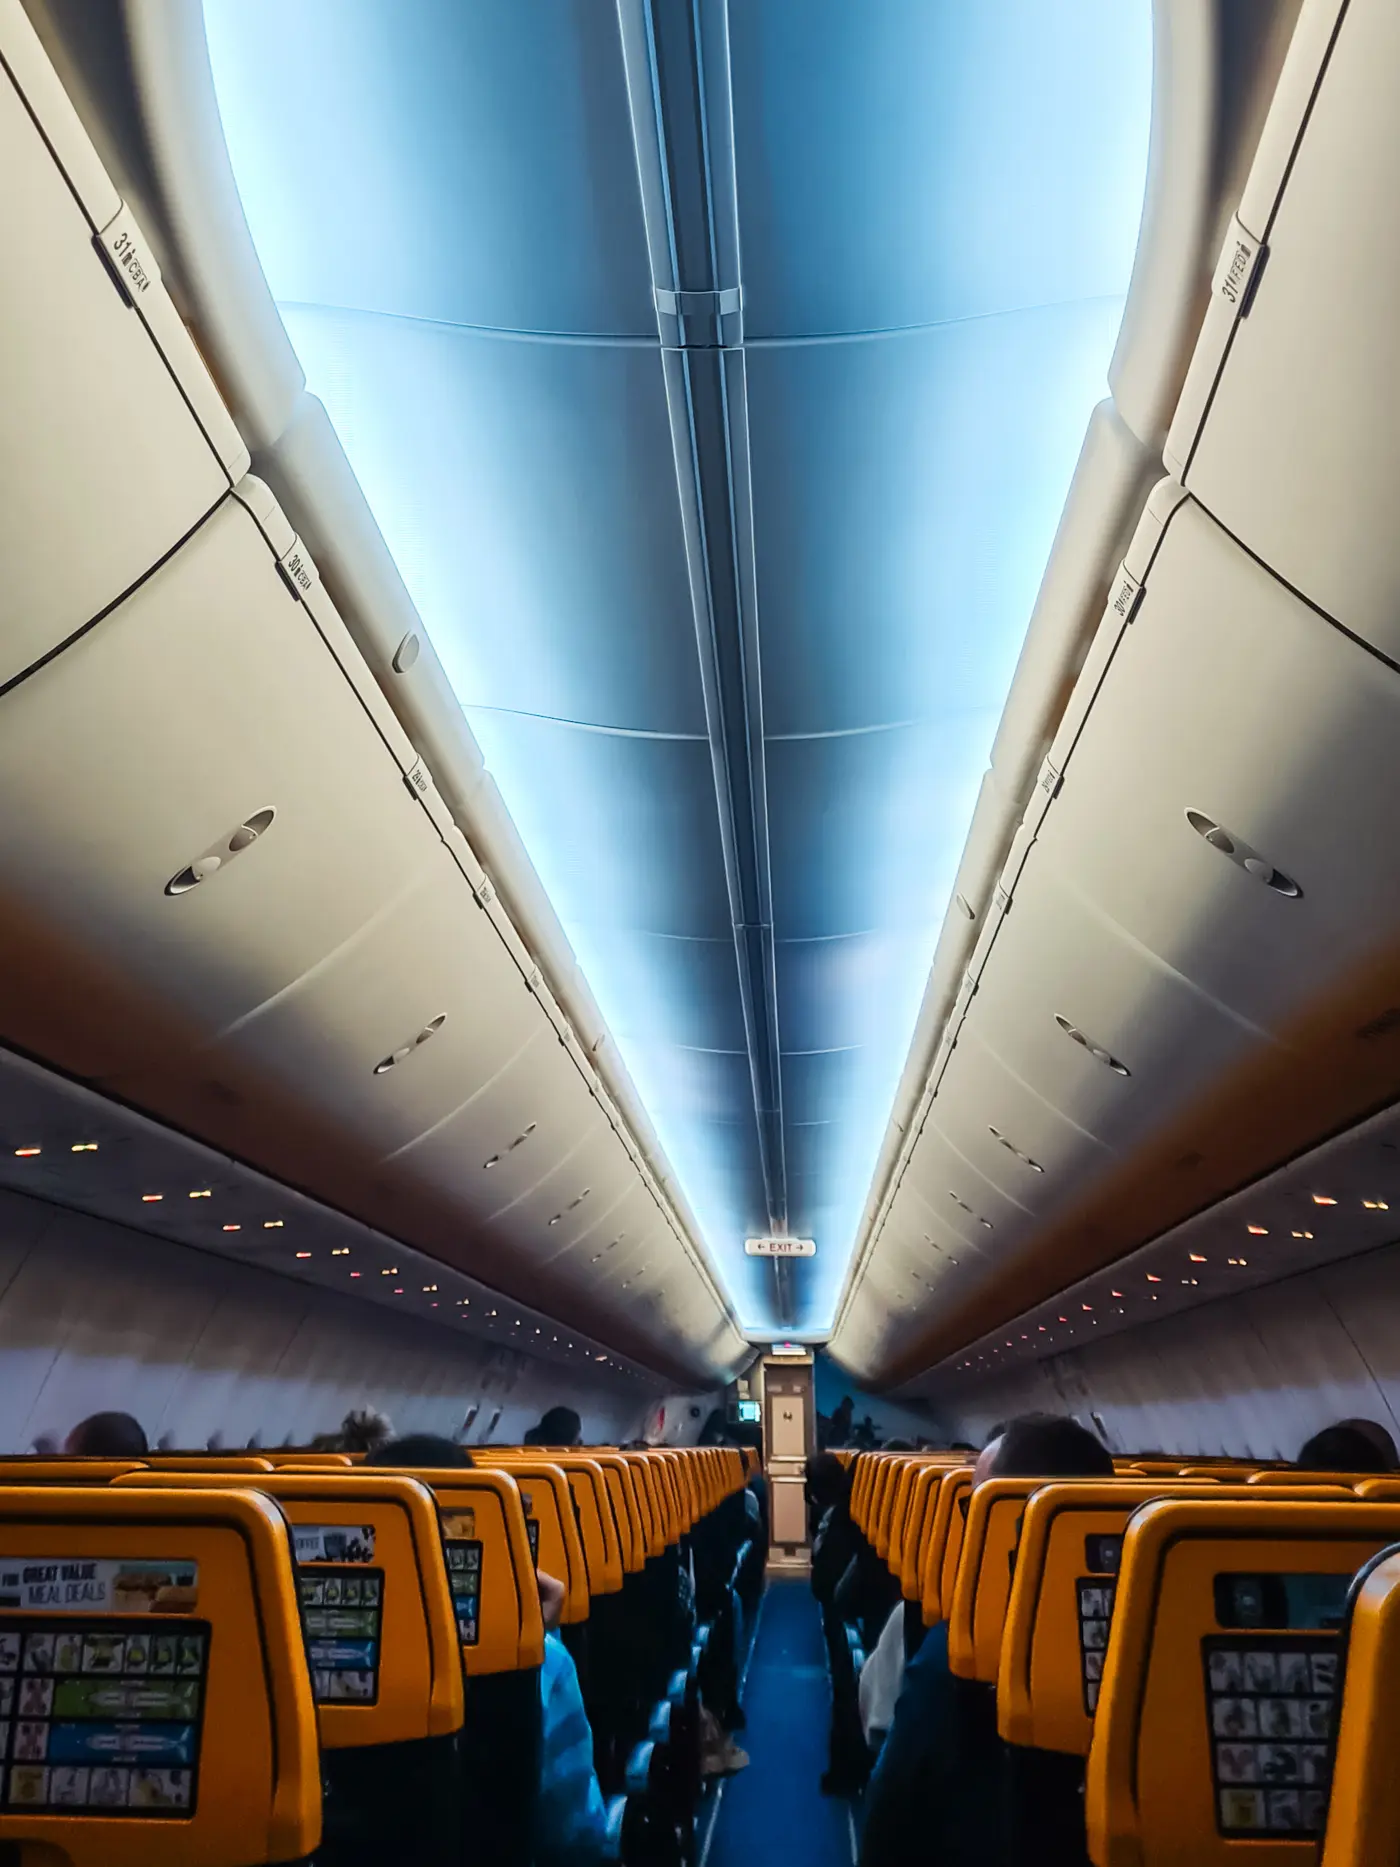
[[27, 1153], [272, 1225], [340, 1251], [393, 1271], [354, 1273], [149, 1199], [1196, 1257], [1322, 1199], [204, 1194], [429, 1287], [233, 1228], [303, 1254], [1153, 1280], [1302, 1234], [1375, 1205], [1257, 1231], [83, 1147]]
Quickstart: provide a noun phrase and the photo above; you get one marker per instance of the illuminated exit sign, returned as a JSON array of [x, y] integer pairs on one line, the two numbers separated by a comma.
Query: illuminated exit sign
[[781, 1247]]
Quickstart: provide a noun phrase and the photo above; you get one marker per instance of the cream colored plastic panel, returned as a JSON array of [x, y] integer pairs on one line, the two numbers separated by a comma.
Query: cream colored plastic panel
[[1231, 698], [577, 1196], [1040, 1158], [1059, 957], [494, 1150], [105, 467], [1289, 427], [964, 1199], [204, 698], [431, 956]]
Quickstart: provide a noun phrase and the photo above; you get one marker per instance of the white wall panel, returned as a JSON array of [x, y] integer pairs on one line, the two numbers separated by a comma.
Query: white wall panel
[[95, 1316], [1253, 1375]]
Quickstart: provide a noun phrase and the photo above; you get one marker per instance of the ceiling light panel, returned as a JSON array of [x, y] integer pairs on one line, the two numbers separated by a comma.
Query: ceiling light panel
[[577, 665]]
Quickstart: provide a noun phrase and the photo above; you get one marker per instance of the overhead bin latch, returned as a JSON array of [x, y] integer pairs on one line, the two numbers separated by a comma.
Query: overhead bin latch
[[126, 256], [1239, 268], [1127, 594], [298, 569]]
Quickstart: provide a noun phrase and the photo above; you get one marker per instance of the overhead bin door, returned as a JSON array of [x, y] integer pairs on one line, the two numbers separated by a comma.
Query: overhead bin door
[[1289, 424], [105, 465], [204, 701], [1231, 703]]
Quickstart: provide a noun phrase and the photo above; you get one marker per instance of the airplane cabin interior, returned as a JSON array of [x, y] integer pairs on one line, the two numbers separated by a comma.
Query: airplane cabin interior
[[699, 937]]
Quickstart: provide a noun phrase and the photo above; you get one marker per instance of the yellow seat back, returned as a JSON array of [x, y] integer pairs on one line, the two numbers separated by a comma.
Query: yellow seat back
[[1061, 1602], [381, 1640], [1210, 1741], [1363, 1819], [157, 1704]]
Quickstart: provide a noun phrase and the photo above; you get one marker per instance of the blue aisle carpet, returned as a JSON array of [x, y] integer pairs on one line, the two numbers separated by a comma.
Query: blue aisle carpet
[[774, 1811]]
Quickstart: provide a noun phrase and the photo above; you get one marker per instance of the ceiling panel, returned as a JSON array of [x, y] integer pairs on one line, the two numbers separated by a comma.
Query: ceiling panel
[[527, 491], [961, 157], [518, 113]]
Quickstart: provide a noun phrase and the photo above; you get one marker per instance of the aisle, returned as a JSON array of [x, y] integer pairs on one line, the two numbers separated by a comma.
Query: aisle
[[774, 1811]]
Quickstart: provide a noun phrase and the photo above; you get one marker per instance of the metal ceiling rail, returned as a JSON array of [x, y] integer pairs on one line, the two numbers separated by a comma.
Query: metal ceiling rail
[[676, 57]]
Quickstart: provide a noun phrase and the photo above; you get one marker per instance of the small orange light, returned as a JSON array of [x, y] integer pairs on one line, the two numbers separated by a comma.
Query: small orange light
[[1302, 1234], [1321, 1199]]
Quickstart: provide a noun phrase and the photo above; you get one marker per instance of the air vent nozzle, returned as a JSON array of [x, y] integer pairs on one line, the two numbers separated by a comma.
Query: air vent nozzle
[[1243, 857], [218, 855], [404, 1051], [1106, 1057]]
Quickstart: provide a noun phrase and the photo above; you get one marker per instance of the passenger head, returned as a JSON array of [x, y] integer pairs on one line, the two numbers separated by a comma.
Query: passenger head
[[424, 1451], [363, 1431], [561, 1426], [827, 1482], [897, 1445], [1044, 1445], [1348, 1447], [108, 1436]]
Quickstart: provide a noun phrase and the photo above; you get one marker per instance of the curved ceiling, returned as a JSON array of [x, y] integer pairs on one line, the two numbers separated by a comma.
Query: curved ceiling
[[716, 378]]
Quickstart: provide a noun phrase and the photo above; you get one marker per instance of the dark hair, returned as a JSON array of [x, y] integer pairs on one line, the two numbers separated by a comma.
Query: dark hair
[[561, 1426], [961, 1445], [1343, 1448], [109, 1436], [1050, 1445], [827, 1480], [422, 1450], [897, 1445]]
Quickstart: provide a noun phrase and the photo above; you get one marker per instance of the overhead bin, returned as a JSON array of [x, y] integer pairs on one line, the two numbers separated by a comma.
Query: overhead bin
[[1031, 1150], [115, 442], [222, 816], [1288, 429], [1229, 801]]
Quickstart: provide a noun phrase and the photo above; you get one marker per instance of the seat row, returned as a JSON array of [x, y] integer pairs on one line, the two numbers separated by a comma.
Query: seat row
[[222, 1662], [1219, 1645]]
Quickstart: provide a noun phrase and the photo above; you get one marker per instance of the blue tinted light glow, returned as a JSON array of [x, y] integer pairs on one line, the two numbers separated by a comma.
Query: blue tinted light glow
[[938, 206]]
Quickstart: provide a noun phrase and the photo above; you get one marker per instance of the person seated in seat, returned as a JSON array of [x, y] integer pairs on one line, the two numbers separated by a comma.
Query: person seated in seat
[[561, 1426], [426, 1451], [942, 1788], [107, 1436], [571, 1821], [1349, 1446]]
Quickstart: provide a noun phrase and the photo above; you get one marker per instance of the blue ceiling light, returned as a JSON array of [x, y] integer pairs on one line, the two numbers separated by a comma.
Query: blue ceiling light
[[730, 587]]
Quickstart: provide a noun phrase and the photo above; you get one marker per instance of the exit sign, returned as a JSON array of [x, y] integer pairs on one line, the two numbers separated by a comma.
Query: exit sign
[[781, 1247]]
